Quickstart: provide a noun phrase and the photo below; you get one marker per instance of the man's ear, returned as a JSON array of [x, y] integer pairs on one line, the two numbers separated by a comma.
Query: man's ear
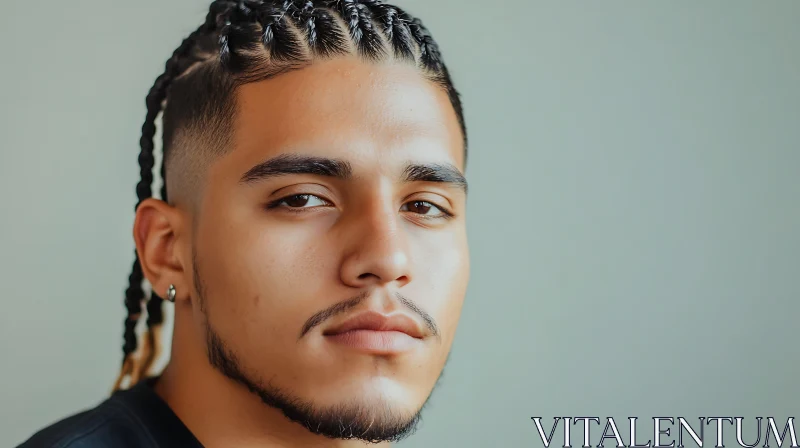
[[159, 230]]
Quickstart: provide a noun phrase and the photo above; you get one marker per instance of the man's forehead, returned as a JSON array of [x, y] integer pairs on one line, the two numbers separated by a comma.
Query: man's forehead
[[348, 109]]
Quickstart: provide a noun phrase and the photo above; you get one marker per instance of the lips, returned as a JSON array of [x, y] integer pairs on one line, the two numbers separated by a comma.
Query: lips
[[373, 321], [377, 334]]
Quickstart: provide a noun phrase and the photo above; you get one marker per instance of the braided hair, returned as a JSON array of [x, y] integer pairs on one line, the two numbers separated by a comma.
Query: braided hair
[[246, 41]]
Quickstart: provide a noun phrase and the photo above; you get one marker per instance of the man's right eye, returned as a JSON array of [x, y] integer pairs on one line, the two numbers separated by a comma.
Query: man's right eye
[[299, 201]]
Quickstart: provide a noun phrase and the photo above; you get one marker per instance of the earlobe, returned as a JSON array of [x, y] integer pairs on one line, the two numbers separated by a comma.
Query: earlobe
[[157, 231]]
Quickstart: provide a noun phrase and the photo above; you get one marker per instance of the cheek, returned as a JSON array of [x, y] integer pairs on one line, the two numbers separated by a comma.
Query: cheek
[[266, 278], [442, 267]]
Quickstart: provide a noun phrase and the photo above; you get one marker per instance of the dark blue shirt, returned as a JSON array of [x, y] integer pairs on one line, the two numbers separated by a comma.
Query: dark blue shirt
[[134, 418]]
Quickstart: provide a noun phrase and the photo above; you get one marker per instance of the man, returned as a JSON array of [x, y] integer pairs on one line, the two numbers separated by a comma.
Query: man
[[313, 240]]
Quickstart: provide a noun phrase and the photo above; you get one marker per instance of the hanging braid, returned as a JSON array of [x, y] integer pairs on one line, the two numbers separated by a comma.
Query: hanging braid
[[134, 369], [240, 42]]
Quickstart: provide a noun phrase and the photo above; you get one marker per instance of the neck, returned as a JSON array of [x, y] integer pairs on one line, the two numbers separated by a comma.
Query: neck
[[221, 412]]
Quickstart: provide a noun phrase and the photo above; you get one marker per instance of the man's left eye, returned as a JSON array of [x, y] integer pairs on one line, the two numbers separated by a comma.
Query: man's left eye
[[423, 208]]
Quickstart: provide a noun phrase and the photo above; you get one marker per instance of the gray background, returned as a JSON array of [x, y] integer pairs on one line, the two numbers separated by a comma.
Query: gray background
[[633, 214]]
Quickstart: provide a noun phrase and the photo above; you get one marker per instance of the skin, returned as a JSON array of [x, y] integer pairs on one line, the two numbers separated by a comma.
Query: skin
[[266, 271]]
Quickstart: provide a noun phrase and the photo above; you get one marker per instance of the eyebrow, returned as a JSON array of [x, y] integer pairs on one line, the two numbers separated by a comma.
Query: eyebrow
[[435, 172], [288, 164]]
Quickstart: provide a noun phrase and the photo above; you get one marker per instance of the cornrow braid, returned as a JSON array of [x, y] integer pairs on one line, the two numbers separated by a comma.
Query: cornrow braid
[[281, 42], [429, 51], [244, 41], [393, 28], [359, 21], [320, 22]]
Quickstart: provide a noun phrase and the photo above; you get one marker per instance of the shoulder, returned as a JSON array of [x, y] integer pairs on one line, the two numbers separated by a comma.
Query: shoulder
[[107, 425]]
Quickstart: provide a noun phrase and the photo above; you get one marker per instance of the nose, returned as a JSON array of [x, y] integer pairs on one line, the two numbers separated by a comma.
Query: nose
[[378, 252]]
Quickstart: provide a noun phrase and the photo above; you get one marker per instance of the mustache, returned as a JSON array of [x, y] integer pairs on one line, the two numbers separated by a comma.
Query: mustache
[[343, 307]]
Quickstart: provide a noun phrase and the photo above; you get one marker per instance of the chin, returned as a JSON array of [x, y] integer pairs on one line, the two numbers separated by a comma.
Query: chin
[[373, 391]]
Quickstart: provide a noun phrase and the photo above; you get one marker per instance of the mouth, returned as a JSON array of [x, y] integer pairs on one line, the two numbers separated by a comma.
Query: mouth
[[378, 334]]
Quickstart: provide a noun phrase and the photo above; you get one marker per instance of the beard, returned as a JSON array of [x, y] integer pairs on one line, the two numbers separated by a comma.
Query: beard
[[374, 423]]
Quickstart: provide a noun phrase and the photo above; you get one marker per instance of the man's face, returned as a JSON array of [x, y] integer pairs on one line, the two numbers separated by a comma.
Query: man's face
[[376, 229]]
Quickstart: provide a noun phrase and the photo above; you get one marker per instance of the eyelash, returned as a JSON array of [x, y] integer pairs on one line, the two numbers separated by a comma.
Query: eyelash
[[446, 214]]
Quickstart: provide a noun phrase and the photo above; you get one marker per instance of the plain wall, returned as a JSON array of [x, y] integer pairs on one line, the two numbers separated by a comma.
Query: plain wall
[[633, 213]]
